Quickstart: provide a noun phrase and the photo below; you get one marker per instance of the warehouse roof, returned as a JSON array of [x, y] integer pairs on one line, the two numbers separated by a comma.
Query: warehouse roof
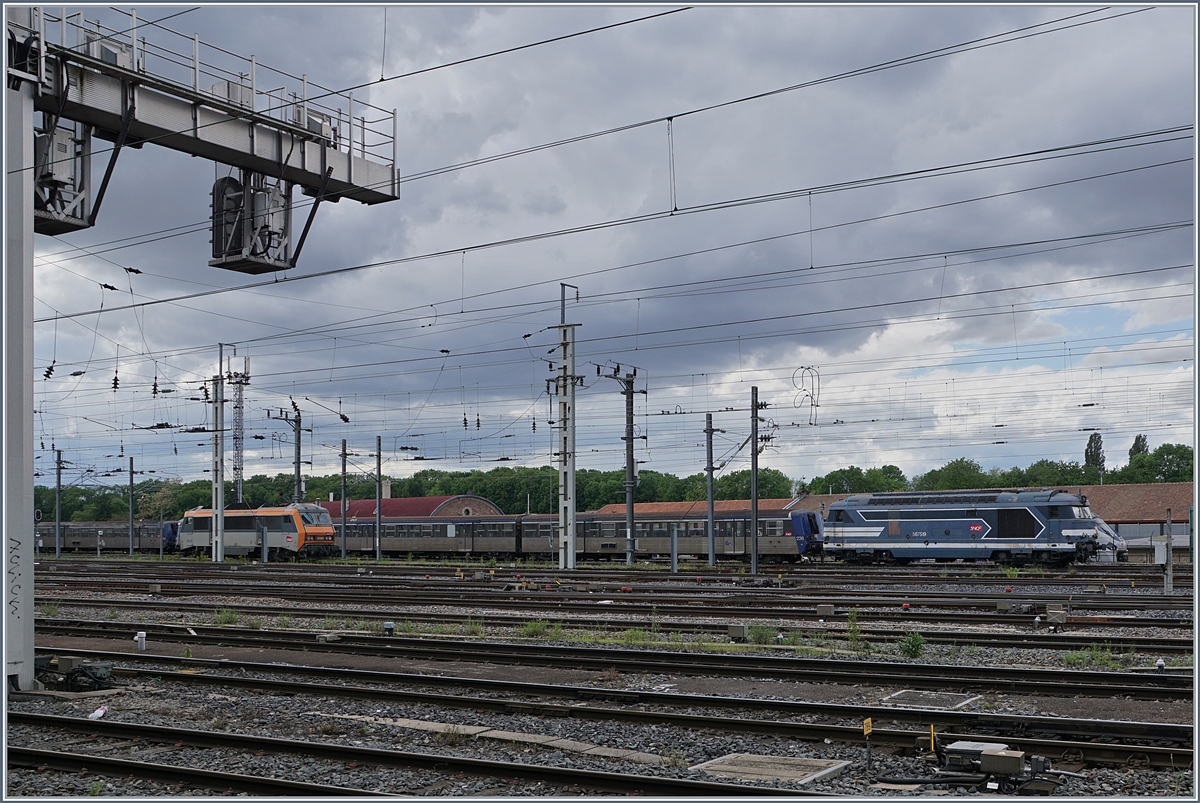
[[457, 505], [1138, 503]]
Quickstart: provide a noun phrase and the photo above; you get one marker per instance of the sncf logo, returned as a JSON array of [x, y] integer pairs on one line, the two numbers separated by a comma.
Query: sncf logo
[[976, 528]]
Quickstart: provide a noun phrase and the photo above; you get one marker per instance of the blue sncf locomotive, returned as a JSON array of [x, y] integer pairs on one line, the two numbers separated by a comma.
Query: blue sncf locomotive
[[1020, 527]]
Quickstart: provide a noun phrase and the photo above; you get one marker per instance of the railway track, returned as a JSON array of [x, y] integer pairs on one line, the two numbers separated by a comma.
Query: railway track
[[921, 676], [437, 593], [805, 574], [133, 734], [1078, 574], [1040, 639], [1123, 743]]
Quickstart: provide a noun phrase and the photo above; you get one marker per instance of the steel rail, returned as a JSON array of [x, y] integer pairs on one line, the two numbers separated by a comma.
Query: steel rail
[[169, 773], [926, 676], [980, 721], [1040, 640], [555, 607], [1159, 756], [826, 584], [568, 597], [446, 764], [1107, 752], [831, 571]]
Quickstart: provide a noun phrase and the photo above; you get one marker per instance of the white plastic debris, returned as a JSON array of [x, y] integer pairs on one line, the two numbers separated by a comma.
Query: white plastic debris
[[99, 712]]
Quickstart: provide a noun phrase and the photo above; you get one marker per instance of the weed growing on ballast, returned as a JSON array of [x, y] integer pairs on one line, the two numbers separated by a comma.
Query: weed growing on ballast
[[912, 645]]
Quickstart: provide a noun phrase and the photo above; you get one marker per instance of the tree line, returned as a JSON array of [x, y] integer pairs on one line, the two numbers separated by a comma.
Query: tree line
[[514, 490], [518, 490], [1171, 462]]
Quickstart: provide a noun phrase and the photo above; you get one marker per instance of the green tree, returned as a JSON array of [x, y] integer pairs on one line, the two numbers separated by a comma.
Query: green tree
[[1093, 453], [853, 479], [155, 498], [695, 487], [1007, 478], [595, 489], [1172, 462], [1139, 446], [772, 484], [1139, 469], [197, 493], [847, 480], [885, 478], [262, 490], [954, 476], [1052, 473]]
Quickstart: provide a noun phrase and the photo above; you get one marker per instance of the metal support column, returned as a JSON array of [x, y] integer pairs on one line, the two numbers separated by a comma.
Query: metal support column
[[708, 469], [19, 531], [298, 493], [131, 504], [343, 499], [218, 470], [58, 503], [378, 498], [675, 546], [1169, 575], [630, 466], [754, 480], [566, 448]]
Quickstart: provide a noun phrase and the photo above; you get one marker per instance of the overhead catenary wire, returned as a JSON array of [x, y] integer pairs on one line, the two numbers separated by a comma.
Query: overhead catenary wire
[[940, 52], [731, 280], [641, 218]]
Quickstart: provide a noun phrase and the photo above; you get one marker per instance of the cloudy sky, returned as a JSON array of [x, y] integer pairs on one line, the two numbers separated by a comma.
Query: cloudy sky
[[922, 232]]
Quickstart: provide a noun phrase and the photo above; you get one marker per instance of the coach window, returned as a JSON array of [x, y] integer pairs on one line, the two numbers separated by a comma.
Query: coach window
[[839, 516], [1052, 511]]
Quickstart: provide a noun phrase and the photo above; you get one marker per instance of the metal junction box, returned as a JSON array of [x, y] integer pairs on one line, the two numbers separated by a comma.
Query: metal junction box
[[968, 756], [1002, 762]]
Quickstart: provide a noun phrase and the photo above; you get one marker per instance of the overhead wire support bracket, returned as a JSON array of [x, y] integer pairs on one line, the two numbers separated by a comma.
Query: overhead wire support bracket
[[312, 213], [129, 97]]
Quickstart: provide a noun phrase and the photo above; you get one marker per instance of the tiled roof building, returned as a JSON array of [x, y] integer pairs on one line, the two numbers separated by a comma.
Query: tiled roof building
[[1140, 504], [459, 505]]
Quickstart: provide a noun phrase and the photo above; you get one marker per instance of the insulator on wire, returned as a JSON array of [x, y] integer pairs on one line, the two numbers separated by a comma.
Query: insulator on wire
[[477, 424], [49, 371], [465, 424], [116, 382]]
